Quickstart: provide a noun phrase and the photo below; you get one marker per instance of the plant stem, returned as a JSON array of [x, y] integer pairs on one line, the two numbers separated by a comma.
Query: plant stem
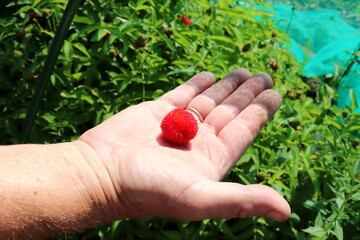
[[291, 17], [352, 62]]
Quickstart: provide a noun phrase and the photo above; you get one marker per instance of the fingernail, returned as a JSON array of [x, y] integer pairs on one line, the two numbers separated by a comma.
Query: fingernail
[[276, 216]]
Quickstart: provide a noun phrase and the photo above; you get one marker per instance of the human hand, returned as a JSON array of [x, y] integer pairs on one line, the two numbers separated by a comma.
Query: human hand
[[141, 175]]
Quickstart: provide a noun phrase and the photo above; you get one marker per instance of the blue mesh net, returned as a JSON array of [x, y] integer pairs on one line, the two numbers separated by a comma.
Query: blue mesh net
[[323, 42]]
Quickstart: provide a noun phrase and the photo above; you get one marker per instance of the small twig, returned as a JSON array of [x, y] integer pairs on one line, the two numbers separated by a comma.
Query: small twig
[[291, 17], [352, 62]]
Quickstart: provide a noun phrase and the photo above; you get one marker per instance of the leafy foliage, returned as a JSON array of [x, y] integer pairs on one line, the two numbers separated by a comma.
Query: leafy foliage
[[117, 54], [120, 53]]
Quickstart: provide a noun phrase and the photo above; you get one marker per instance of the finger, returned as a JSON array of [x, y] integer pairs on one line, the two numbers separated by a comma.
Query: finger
[[231, 200], [183, 94], [238, 135], [211, 97], [237, 101]]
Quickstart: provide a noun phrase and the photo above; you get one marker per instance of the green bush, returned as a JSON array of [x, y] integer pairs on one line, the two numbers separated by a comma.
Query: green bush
[[120, 53], [148, 52]]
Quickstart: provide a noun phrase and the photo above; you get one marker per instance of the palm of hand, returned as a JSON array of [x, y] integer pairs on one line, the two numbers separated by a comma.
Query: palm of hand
[[155, 178]]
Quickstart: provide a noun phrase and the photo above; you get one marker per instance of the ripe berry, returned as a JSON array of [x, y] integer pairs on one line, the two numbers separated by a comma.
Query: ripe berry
[[179, 126], [32, 14], [185, 20], [273, 81], [274, 65], [106, 36]]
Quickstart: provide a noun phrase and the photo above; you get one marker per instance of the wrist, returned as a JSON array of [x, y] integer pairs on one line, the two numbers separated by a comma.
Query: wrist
[[100, 186], [72, 202]]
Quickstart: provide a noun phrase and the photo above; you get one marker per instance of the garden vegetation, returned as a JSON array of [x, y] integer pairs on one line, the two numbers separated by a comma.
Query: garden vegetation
[[120, 53]]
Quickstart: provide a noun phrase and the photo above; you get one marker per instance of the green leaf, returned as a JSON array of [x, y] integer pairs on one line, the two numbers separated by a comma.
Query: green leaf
[[181, 39], [187, 70], [244, 159], [333, 122], [142, 7], [183, 62], [85, 20], [114, 227], [23, 9], [316, 231], [241, 224], [83, 95], [315, 181], [275, 177], [219, 222], [172, 234], [295, 218], [18, 64], [48, 117], [204, 223], [153, 16], [198, 34], [226, 230], [263, 147], [352, 95], [245, 178], [338, 230], [126, 45], [248, 233], [315, 206], [68, 50], [81, 48], [124, 83], [254, 154], [222, 38], [351, 128], [99, 34], [356, 196], [62, 78], [356, 167]]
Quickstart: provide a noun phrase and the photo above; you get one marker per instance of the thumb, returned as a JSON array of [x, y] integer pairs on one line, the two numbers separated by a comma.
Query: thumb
[[209, 199]]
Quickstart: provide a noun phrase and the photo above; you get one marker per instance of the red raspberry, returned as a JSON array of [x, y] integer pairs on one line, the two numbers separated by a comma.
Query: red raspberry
[[32, 14], [106, 36], [274, 65], [179, 126], [185, 20]]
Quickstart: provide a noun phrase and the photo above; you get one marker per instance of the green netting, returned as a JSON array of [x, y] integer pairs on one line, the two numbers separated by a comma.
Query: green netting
[[322, 40]]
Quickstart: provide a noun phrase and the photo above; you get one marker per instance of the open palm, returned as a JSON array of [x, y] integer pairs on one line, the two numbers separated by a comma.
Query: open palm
[[152, 177]]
